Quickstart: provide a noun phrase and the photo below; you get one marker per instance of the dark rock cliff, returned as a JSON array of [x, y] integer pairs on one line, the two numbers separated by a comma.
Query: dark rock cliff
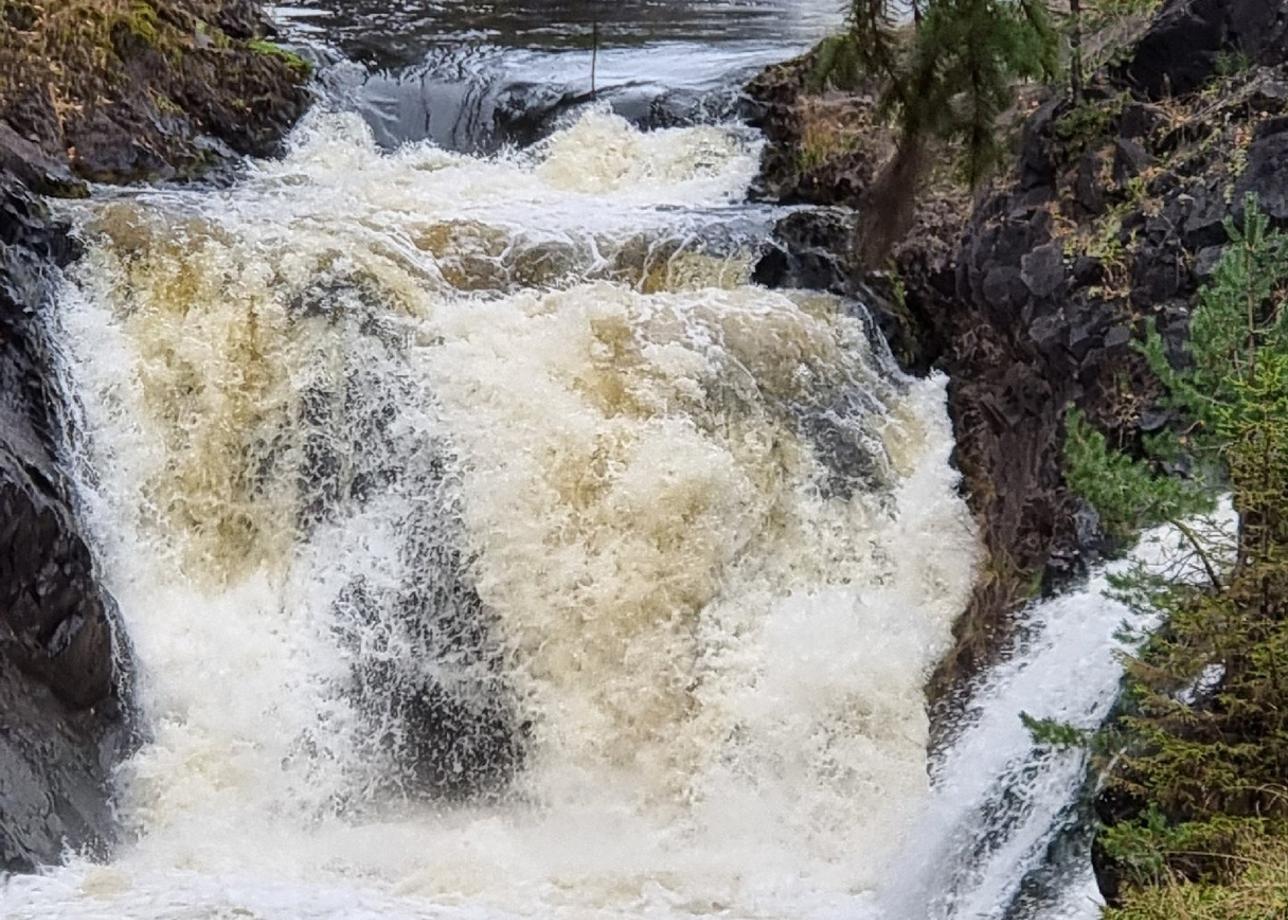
[[61, 696], [1109, 225], [106, 91], [1032, 298]]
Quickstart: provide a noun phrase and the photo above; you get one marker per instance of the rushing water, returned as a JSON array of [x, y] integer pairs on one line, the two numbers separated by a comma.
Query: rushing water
[[490, 547], [479, 76], [376, 441]]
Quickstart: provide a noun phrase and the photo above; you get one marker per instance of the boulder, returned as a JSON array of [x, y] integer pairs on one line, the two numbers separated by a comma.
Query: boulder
[[1191, 40], [1266, 174]]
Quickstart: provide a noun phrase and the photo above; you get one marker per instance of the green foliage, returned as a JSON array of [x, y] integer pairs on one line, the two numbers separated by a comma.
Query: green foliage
[[1203, 743], [1126, 492], [967, 57], [823, 139], [1258, 890], [1088, 124], [1112, 9], [836, 61], [1053, 733], [1232, 63], [290, 58], [142, 21], [1149, 846], [954, 75]]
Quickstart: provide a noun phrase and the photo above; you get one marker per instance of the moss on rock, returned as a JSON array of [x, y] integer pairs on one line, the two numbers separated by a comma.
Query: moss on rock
[[126, 90]]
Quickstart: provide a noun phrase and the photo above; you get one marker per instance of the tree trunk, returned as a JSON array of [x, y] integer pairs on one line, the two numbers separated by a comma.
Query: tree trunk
[[1075, 50], [889, 206]]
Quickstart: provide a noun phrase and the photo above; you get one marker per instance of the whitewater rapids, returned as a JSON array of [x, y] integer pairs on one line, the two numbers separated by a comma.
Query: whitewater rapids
[[679, 551]]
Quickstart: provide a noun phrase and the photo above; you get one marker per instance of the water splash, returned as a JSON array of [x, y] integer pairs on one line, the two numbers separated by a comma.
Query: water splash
[[608, 587], [1002, 802]]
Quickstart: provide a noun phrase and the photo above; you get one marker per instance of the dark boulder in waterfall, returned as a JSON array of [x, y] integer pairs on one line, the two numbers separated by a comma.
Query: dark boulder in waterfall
[[62, 713], [428, 680], [426, 677]]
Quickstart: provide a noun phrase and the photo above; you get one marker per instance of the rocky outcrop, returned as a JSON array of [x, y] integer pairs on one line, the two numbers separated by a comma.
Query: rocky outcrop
[[1108, 227], [824, 146], [101, 90], [124, 90], [1032, 301], [1192, 41]]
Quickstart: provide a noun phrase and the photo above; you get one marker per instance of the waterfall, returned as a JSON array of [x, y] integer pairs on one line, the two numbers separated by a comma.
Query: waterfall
[[489, 544]]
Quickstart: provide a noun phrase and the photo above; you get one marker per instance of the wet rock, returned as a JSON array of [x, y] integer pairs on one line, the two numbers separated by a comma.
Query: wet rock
[[62, 690], [41, 172], [428, 678], [426, 668], [1111, 807], [812, 249]]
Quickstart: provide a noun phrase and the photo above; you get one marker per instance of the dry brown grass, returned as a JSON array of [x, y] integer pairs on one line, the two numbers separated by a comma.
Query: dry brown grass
[[1260, 892]]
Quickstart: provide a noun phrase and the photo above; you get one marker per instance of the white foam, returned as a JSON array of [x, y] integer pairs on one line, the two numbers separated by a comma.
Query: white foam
[[719, 537]]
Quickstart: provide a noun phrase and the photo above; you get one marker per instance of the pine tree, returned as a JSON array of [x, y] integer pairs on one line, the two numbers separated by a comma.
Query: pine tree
[[949, 81], [1203, 747]]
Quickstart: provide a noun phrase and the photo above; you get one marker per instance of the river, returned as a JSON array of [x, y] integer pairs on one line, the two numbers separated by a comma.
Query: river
[[490, 546]]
